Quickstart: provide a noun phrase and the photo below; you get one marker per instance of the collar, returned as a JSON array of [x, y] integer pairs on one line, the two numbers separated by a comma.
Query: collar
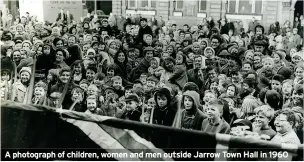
[[215, 124]]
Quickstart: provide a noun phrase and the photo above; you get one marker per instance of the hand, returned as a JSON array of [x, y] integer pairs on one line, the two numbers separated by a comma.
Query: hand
[[256, 126]]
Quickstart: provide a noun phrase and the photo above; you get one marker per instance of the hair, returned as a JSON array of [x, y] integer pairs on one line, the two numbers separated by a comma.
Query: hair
[[266, 111], [235, 89], [218, 102], [190, 86], [290, 116], [278, 77], [274, 99], [64, 69], [116, 58], [267, 58]]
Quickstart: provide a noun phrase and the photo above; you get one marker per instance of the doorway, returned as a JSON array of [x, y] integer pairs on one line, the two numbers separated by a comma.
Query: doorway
[[298, 9]]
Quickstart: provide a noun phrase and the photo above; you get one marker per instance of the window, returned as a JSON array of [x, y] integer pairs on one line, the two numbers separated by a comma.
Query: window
[[179, 4], [245, 6], [202, 5], [141, 4]]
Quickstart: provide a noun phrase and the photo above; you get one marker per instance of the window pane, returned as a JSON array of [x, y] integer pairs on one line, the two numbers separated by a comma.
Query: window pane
[[258, 6], [203, 5], [132, 3], [179, 4], [144, 3], [245, 7], [153, 3], [232, 5]]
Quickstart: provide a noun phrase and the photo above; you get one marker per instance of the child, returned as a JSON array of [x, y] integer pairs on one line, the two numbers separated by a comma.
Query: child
[[264, 114], [132, 111], [84, 84], [148, 109], [297, 57], [209, 54], [298, 71], [91, 72], [92, 90], [92, 107], [287, 87], [247, 66], [40, 90], [117, 85], [77, 98], [209, 96], [214, 123], [154, 65], [189, 116], [90, 58], [79, 71], [164, 113]]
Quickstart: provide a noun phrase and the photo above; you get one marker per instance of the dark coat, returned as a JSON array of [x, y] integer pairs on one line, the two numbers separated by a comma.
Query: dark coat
[[141, 68], [131, 115], [142, 31]]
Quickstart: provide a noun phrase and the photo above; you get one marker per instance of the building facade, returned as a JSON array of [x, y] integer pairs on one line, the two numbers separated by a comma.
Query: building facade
[[193, 11]]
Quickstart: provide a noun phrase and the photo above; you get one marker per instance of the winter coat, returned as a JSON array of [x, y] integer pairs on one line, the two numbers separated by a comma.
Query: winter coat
[[141, 68], [190, 119], [131, 115], [21, 91], [179, 76], [192, 75]]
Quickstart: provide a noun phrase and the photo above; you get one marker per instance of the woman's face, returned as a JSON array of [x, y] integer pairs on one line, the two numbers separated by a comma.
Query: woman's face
[[26, 46], [59, 56], [77, 69], [59, 44], [299, 72], [121, 57], [16, 56]]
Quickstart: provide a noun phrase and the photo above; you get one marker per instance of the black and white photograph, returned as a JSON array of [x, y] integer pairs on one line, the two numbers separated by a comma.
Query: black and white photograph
[[152, 80]]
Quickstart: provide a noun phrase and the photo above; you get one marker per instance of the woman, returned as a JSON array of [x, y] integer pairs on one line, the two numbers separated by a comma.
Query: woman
[[168, 66], [121, 60], [73, 30], [179, 77], [60, 56]]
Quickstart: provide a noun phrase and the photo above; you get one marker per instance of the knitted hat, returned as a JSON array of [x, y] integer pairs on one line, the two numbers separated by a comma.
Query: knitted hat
[[231, 46], [132, 97], [27, 41], [152, 78], [91, 50], [206, 41], [224, 53], [25, 69]]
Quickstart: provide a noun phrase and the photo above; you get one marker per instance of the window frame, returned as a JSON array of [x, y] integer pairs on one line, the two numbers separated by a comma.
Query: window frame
[[237, 7], [178, 9], [137, 5], [199, 6]]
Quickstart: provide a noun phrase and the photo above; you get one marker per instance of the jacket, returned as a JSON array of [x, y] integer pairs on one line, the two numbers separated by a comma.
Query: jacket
[[141, 68], [21, 91], [131, 115], [179, 76], [192, 75], [190, 119]]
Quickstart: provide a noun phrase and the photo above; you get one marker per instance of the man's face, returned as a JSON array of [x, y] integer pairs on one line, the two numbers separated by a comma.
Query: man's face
[[215, 43], [276, 85], [24, 77], [131, 105], [281, 124], [162, 101], [64, 77], [143, 23]]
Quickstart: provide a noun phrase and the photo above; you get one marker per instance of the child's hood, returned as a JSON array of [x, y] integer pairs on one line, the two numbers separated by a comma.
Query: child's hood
[[195, 97]]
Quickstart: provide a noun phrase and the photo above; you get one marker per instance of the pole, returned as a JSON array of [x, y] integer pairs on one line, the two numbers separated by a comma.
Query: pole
[[95, 6]]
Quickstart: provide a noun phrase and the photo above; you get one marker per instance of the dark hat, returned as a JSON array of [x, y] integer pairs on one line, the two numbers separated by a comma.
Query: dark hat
[[260, 43], [242, 122], [149, 48], [224, 53], [143, 19], [152, 78], [278, 77], [132, 97]]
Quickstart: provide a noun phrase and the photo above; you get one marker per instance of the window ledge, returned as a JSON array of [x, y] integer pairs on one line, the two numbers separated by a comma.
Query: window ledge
[[151, 12], [237, 16]]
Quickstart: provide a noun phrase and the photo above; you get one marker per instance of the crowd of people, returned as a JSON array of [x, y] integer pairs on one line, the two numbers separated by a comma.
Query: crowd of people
[[213, 77]]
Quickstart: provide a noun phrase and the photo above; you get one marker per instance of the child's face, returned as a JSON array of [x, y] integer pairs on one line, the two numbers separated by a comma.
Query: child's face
[[90, 74], [249, 57], [77, 69], [91, 104], [84, 86], [276, 58], [90, 55], [213, 85], [293, 51], [131, 55], [179, 59], [128, 93], [131, 105], [296, 59], [151, 103], [150, 84], [268, 64], [299, 72], [188, 103], [110, 73], [165, 55], [208, 97], [117, 84], [213, 111], [4, 75], [162, 101], [230, 91], [209, 54], [143, 78], [98, 82], [287, 88], [276, 85], [92, 91], [39, 92], [136, 52], [222, 77], [261, 119], [153, 64], [246, 67], [77, 96]]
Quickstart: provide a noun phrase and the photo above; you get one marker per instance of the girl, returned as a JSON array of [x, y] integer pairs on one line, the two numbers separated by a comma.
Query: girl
[[77, 98], [121, 60], [287, 86], [92, 108], [299, 73], [189, 116], [179, 77], [154, 67], [168, 65], [79, 71]]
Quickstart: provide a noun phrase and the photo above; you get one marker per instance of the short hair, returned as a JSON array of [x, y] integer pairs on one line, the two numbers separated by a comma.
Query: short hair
[[63, 52], [266, 111], [93, 86], [116, 78], [218, 102], [290, 116], [64, 69], [267, 59], [278, 77]]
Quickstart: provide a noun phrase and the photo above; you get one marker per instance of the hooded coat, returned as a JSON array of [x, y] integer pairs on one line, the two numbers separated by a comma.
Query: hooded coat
[[190, 119]]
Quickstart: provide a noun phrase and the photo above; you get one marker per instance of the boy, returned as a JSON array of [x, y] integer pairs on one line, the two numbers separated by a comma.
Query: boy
[[77, 96], [276, 82], [214, 123], [117, 85], [39, 93], [92, 107], [91, 72], [132, 111], [264, 114], [84, 84]]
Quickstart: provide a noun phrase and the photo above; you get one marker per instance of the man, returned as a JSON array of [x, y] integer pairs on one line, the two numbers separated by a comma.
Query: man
[[69, 17], [22, 85], [195, 75], [61, 16], [161, 22], [296, 37], [144, 29], [253, 24]]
